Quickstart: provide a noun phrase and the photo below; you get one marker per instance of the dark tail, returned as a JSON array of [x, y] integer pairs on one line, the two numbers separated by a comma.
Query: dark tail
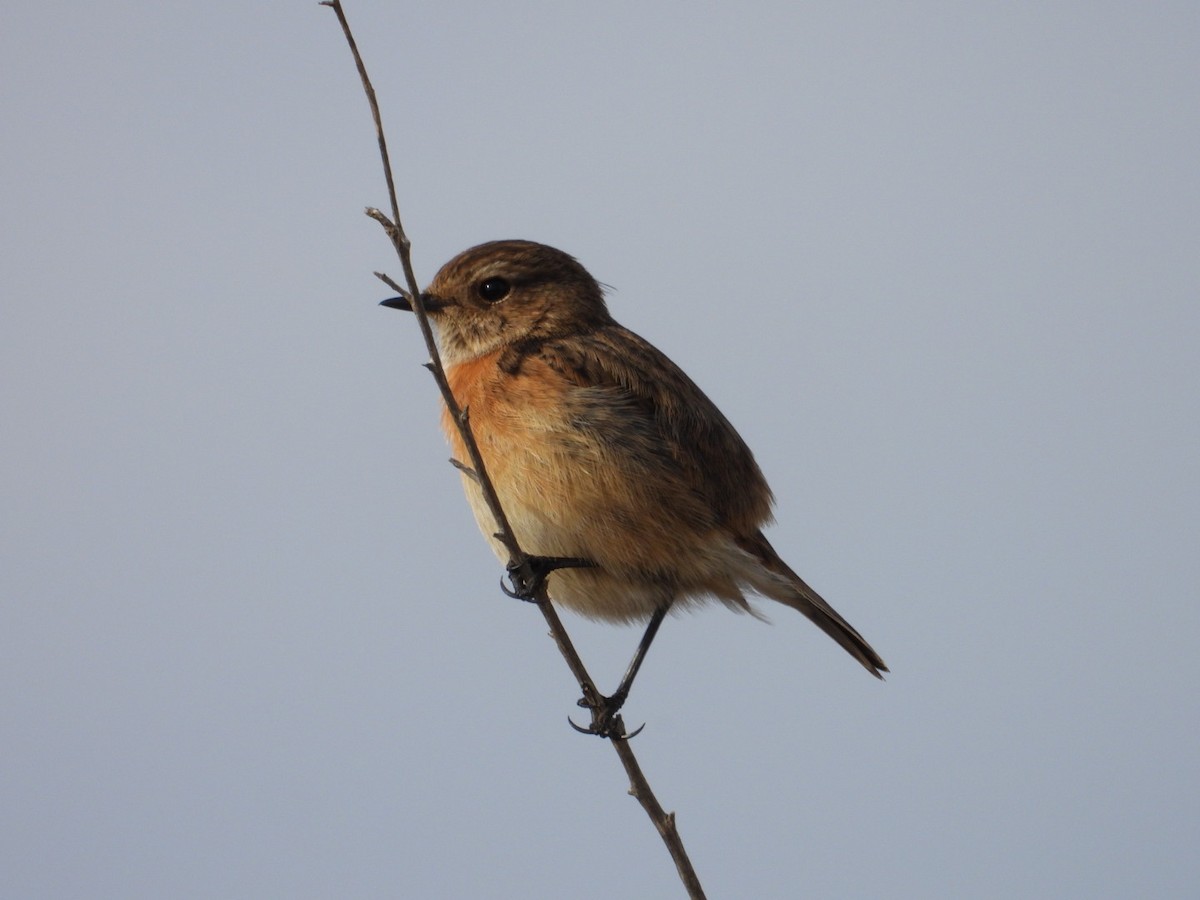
[[790, 589]]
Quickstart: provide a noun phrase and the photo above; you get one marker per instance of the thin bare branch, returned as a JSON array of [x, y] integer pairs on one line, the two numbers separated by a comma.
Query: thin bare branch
[[390, 282], [395, 230], [664, 822]]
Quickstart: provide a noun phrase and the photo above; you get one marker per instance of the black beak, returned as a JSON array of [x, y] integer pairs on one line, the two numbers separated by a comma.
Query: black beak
[[430, 302]]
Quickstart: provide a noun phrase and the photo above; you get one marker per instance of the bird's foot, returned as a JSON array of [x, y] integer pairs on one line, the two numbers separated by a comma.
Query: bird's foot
[[527, 575], [606, 716]]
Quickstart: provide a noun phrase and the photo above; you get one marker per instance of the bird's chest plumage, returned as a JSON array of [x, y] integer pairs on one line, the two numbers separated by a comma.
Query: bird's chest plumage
[[576, 478], [541, 465], [584, 470]]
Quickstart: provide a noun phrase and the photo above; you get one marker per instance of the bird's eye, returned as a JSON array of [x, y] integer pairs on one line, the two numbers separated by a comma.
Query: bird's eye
[[494, 290]]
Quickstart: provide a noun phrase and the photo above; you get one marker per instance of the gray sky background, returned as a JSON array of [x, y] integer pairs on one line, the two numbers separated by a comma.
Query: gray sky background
[[938, 263]]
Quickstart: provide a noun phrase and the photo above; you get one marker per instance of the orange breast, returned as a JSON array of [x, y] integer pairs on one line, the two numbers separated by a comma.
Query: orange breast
[[567, 492], [515, 419]]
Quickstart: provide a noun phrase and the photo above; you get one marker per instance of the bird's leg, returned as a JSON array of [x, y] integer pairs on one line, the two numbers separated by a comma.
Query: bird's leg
[[618, 697], [529, 573], [606, 719]]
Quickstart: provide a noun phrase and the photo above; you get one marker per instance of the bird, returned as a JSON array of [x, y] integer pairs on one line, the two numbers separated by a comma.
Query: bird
[[602, 450]]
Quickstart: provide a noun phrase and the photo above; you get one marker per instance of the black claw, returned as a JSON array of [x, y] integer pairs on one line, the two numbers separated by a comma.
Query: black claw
[[528, 575], [606, 719], [613, 729]]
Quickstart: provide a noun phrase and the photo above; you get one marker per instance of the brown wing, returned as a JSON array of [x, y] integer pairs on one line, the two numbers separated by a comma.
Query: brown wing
[[613, 366]]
